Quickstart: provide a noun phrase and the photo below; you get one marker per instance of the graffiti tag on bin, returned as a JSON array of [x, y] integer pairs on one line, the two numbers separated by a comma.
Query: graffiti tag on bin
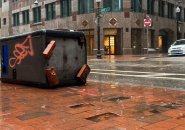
[[21, 50]]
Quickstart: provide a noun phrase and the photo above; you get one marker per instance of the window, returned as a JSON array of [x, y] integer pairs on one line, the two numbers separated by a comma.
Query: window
[[25, 17], [114, 5], [184, 15], [136, 5], [14, 1], [85, 6], [65, 8], [150, 6], [4, 21], [50, 11], [37, 14], [16, 19], [180, 14], [0, 3], [170, 10], [161, 8]]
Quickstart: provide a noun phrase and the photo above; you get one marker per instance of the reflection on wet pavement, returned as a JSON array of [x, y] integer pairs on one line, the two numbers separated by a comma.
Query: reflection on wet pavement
[[96, 106], [166, 72]]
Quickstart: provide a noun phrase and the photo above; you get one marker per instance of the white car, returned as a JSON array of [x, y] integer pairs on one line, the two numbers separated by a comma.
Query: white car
[[177, 48]]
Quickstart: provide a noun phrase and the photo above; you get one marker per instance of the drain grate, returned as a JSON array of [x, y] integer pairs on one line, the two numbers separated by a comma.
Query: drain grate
[[102, 117], [81, 105], [118, 99]]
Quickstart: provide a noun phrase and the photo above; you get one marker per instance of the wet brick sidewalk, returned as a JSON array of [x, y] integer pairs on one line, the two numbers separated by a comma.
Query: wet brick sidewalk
[[96, 106]]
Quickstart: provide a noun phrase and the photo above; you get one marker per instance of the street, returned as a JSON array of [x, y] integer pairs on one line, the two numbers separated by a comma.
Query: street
[[163, 71]]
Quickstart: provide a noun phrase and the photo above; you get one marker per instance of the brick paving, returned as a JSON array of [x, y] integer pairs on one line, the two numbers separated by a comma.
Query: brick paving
[[96, 106]]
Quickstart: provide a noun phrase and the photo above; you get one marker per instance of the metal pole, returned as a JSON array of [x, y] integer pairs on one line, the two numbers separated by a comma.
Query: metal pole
[[177, 26], [177, 30], [147, 40], [98, 32]]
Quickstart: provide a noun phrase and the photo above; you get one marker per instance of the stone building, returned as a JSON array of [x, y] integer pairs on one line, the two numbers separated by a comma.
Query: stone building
[[122, 28]]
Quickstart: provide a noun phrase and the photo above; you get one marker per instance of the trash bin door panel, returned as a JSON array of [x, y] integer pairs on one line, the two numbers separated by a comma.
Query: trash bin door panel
[[4, 65], [68, 57]]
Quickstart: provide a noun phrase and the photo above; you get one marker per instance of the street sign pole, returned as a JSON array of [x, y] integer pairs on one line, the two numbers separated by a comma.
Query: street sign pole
[[147, 39], [98, 55], [147, 24]]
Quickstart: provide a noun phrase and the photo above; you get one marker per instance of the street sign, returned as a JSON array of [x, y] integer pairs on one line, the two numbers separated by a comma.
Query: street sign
[[147, 22], [105, 9]]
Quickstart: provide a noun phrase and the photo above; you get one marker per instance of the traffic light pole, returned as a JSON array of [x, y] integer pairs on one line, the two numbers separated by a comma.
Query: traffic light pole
[[98, 55]]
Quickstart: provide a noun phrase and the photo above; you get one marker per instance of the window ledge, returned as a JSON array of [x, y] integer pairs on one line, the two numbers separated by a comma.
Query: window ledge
[[38, 23]]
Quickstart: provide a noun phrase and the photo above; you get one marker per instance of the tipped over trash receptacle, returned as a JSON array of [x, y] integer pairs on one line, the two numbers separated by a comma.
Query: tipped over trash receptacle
[[47, 58]]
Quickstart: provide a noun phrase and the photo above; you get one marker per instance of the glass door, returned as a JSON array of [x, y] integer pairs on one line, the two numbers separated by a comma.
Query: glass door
[[109, 42]]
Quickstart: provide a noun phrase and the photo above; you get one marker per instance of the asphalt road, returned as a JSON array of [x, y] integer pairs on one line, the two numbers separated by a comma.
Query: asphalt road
[[168, 72]]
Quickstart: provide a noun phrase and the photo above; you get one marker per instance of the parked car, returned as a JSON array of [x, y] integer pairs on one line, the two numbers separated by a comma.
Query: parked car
[[177, 48]]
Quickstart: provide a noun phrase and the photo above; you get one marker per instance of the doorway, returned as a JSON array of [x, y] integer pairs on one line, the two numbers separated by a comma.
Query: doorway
[[109, 45], [165, 39], [136, 36]]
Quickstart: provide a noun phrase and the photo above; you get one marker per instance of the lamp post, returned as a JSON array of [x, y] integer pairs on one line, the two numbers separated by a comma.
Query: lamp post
[[177, 18], [98, 55]]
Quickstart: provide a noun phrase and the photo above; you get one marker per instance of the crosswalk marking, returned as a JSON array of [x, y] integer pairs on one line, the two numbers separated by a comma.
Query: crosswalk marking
[[150, 75], [121, 71]]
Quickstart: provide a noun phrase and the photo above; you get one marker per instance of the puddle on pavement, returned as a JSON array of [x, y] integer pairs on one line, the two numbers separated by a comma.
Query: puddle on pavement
[[69, 94], [181, 96], [102, 117], [6, 108], [173, 105], [117, 99], [5, 100], [156, 109], [80, 105], [28, 116]]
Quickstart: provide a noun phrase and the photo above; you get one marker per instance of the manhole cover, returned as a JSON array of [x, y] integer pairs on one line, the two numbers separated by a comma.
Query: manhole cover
[[102, 117], [118, 99], [80, 105]]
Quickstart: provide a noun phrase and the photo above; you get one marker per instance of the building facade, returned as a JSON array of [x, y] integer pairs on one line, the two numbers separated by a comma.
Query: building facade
[[122, 28]]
